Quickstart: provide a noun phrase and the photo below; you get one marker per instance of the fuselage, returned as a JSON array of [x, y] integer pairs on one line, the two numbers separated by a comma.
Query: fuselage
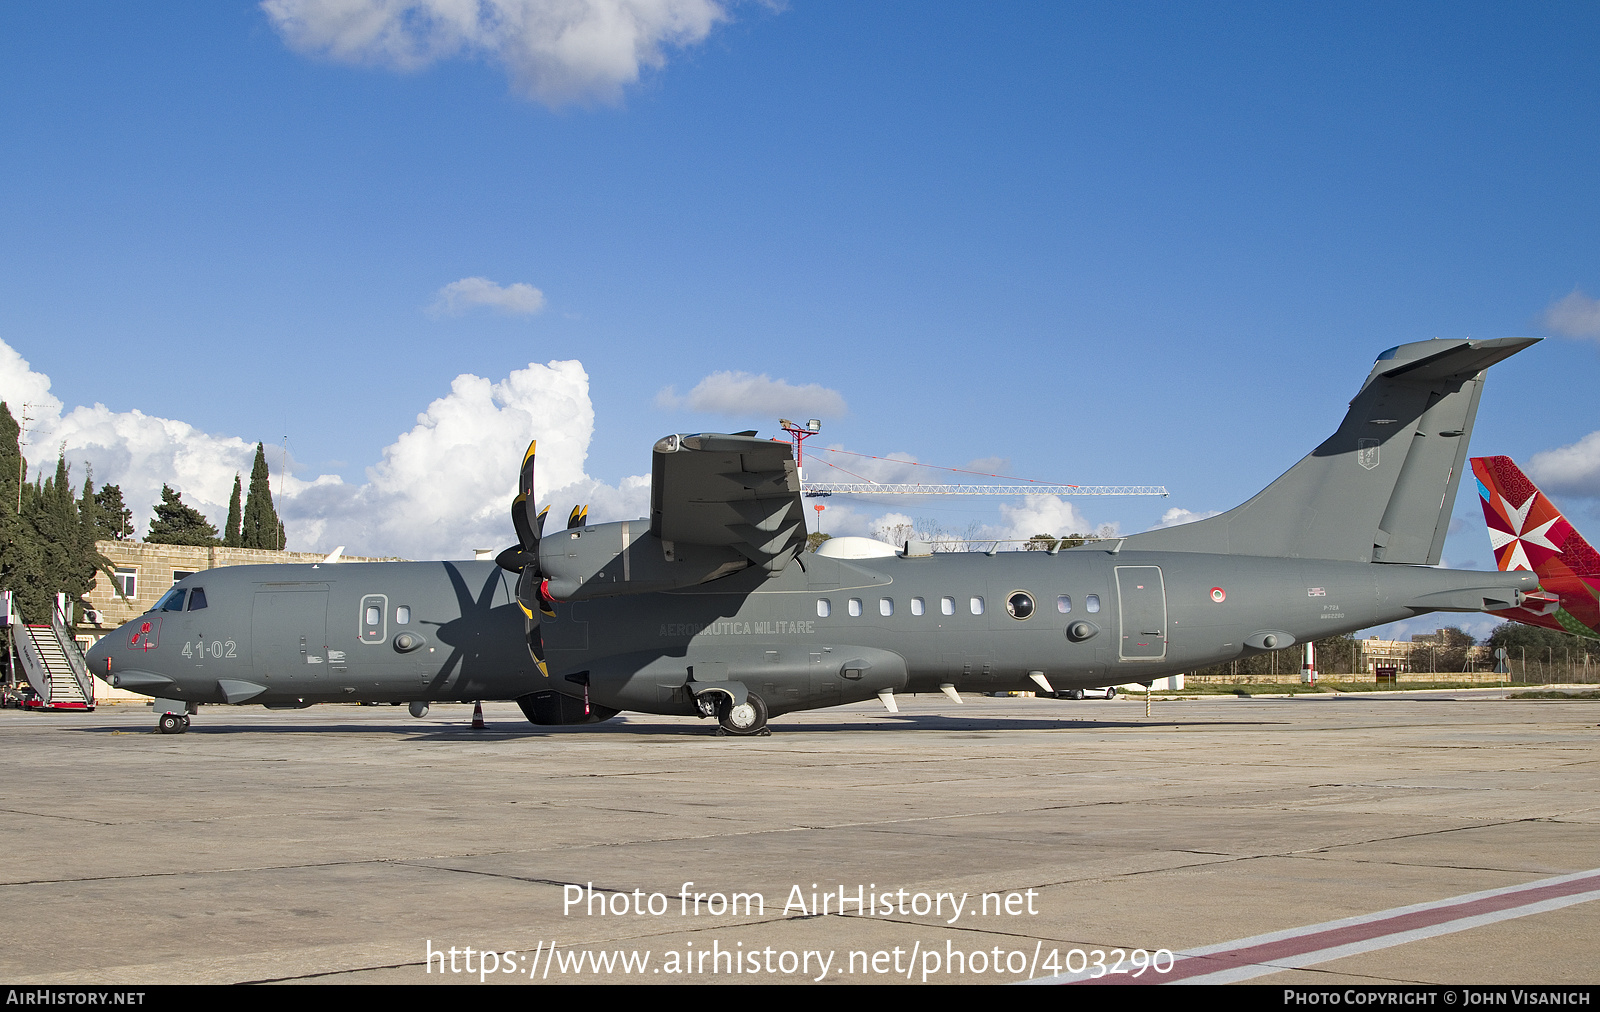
[[821, 632], [294, 635]]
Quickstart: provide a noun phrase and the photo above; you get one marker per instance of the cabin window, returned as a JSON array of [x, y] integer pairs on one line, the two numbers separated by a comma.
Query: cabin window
[[127, 582], [918, 606], [197, 599], [1091, 603], [402, 615], [172, 600], [374, 612], [824, 607], [1064, 604], [977, 605], [885, 606], [1020, 605], [855, 607], [947, 605]]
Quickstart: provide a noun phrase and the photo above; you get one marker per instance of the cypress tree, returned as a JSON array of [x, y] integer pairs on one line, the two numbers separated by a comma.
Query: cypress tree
[[113, 520], [261, 527], [176, 523], [231, 534], [88, 508], [83, 559], [55, 522], [55, 541], [21, 554], [11, 462]]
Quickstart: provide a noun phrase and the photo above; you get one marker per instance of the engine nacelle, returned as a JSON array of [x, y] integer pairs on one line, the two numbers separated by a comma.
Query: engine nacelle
[[623, 557]]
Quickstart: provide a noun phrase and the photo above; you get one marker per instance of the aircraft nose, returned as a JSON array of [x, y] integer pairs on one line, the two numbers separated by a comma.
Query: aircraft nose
[[99, 657]]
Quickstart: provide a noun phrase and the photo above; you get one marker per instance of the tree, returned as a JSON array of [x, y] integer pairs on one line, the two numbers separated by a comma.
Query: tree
[[21, 557], [232, 535], [1517, 637], [814, 540], [261, 526], [1536, 648], [12, 466], [47, 547], [1041, 543], [113, 521], [178, 524]]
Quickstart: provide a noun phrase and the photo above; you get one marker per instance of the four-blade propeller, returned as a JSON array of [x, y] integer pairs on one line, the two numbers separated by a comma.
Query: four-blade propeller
[[523, 557]]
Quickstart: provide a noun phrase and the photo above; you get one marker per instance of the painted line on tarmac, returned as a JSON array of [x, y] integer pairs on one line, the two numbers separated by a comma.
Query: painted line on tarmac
[[1296, 948]]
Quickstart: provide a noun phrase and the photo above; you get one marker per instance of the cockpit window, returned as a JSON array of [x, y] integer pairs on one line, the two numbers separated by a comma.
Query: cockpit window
[[172, 600], [197, 598]]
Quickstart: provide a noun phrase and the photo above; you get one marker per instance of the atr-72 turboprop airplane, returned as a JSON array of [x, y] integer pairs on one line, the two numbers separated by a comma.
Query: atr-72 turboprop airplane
[[711, 606]]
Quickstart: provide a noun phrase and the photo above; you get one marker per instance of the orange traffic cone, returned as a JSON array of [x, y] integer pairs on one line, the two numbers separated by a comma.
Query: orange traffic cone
[[477, 717]]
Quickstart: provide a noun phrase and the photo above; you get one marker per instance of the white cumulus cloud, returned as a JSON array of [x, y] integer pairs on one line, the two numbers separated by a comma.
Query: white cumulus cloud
[[439, 490], [556, 52], [1042, 514], [516, 299], [1569, 470], [1177, 515], [743, 394], [1575, 315]]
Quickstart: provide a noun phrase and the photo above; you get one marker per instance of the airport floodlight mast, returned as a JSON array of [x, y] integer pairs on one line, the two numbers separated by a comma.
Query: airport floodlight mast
[[798, 434]]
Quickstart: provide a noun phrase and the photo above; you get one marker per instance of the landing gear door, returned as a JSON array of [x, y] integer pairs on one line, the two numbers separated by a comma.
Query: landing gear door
[[1142, 611]]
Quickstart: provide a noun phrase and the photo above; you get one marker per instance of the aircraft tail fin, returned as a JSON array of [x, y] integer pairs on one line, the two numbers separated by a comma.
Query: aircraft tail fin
[[1381, 488], [1528, 532]]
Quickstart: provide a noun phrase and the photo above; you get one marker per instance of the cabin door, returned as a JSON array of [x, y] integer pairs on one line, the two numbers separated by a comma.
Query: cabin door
[[1142, 610], [289, 636]]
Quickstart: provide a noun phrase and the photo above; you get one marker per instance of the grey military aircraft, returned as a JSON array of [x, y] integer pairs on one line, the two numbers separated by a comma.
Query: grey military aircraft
[[712, 607]]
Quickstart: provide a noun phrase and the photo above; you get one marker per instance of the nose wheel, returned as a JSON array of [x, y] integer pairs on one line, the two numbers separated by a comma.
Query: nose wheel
[[746, 719], [172, 723]]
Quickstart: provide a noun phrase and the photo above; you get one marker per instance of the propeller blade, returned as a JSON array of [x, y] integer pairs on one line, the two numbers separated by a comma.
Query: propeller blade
[[527, 537], [527, 533], [525, 478], [578, 517], [523, 557]]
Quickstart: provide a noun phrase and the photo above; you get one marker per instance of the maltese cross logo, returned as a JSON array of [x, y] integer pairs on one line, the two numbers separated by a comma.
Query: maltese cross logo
[[1517, 538]]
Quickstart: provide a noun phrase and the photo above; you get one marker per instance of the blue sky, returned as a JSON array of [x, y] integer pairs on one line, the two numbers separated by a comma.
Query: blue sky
[[1155, 243]]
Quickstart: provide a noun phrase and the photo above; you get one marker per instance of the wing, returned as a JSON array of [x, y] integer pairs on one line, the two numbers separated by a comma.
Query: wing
[[733, 491]]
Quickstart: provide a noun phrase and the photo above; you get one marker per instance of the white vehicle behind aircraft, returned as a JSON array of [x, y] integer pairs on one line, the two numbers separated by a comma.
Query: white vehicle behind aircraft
[[711, 607]]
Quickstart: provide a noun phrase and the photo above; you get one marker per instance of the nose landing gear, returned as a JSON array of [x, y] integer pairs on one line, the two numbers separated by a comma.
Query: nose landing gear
[[173, 716], [172, 723]]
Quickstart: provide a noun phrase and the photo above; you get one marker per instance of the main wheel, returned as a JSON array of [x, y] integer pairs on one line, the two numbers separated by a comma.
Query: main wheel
[[185, 723], [749, 717], [170, 723]]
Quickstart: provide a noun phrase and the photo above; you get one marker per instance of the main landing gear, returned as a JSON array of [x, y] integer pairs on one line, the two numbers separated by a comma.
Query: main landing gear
[[739, 719], [748, 718]]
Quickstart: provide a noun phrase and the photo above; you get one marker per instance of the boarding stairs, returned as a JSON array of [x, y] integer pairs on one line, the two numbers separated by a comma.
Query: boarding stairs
[[50, 660]]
